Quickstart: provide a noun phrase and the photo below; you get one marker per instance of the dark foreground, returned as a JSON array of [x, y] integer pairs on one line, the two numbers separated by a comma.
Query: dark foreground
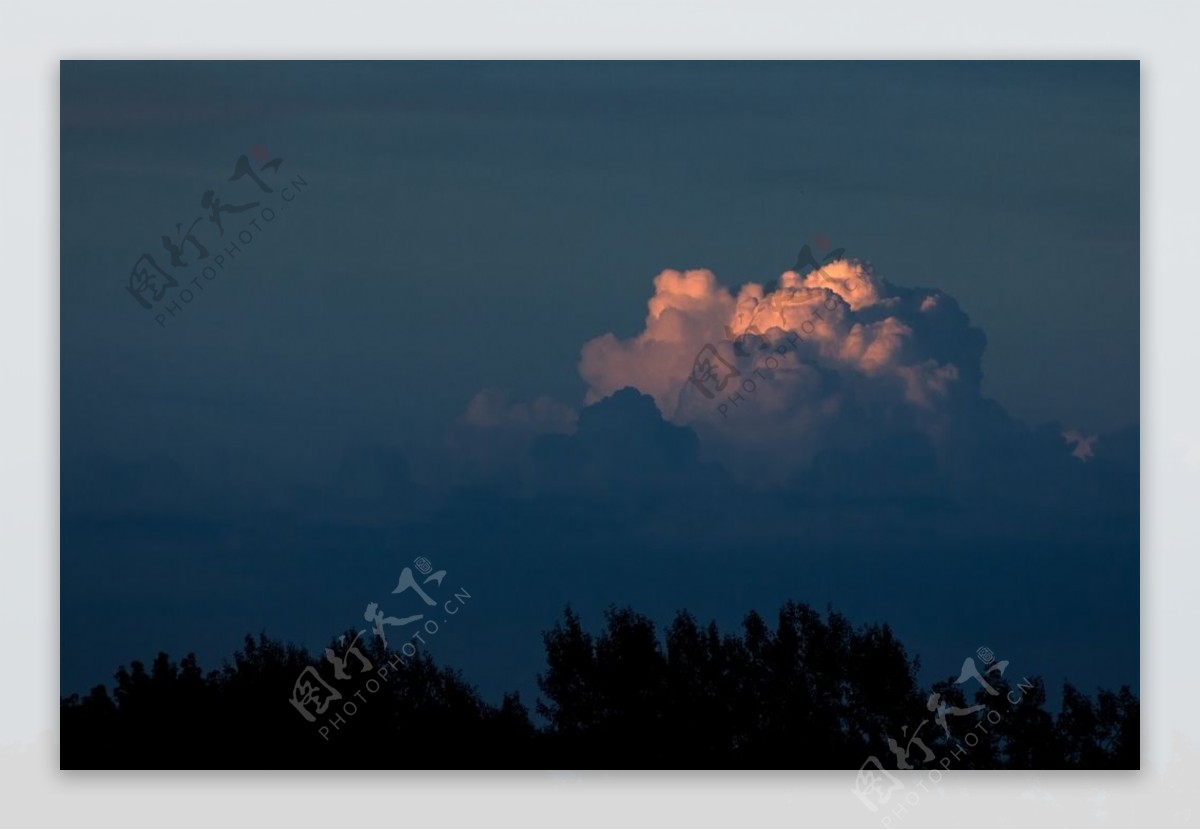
[[810, 693]]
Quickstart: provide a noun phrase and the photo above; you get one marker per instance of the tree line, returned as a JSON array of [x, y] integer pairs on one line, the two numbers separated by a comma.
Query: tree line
[[812, 692]]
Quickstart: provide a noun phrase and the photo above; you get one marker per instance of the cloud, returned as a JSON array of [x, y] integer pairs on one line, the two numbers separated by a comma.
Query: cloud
[[623, 449], [492, 437], [687, 310], [824, 360], [836, 383], [493, 408]]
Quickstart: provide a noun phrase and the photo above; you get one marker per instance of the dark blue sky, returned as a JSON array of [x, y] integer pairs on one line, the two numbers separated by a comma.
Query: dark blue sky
[[275, 454]]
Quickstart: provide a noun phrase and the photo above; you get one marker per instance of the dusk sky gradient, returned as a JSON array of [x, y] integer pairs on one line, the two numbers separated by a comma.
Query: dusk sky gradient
[[273, 456]]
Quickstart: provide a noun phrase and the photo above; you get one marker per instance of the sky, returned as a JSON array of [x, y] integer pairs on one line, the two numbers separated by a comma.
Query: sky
[[469, 328]]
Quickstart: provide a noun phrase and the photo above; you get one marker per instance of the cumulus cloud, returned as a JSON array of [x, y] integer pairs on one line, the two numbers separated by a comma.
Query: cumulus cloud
[[687, 310], [821, 361], [833, 369]]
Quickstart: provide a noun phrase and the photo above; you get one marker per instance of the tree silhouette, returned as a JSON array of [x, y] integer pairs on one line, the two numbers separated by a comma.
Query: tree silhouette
[[811, 692]]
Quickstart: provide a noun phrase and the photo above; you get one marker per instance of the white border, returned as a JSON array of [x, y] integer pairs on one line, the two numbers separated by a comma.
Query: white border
[[34, 37]]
